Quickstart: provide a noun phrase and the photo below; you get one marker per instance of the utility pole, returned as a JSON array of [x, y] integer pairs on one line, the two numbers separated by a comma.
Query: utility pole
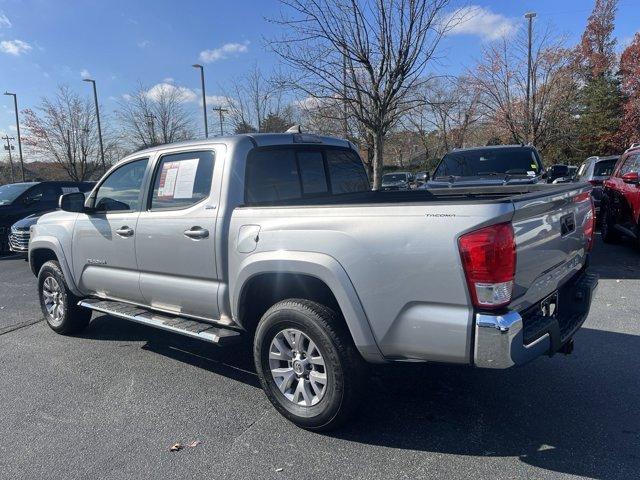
[[529, 114], [10, 147], [95, 99], [220, 111], [204, 99], [345, 123], [15, 107]]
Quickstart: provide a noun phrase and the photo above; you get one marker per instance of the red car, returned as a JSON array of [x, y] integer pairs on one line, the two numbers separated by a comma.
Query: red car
[[620, 209]]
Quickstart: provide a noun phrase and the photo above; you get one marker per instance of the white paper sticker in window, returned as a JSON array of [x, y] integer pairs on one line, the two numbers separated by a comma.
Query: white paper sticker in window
[[168, 180], [186, 178], [66, 190]]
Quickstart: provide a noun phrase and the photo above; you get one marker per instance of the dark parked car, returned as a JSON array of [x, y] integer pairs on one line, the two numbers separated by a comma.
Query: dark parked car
[[397, 181], [620, 208], [19, 200], [596, 170], [494, 165]]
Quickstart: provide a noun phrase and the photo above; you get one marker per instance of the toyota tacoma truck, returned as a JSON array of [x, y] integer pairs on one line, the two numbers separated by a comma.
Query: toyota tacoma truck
[[277, 238]]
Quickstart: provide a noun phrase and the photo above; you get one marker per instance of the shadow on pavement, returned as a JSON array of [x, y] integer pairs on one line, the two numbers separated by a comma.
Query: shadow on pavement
[[615, 261], [577, 415], [234, 362]]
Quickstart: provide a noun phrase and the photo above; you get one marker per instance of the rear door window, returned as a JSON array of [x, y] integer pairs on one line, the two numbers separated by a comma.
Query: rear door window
[[182, 179]]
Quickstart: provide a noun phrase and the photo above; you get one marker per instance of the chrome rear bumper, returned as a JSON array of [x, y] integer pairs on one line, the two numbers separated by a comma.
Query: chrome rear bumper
[[500, 339]]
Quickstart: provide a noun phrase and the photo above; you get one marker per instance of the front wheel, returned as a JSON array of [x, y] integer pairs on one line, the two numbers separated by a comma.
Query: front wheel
[[58, 303], [307, 363]]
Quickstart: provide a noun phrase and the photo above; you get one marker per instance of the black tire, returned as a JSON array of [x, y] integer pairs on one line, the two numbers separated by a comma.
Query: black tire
[[607, 231], [344, 368], [72, 318]]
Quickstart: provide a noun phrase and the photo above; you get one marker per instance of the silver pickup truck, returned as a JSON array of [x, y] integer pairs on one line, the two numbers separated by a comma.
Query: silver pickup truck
[[278, 238]]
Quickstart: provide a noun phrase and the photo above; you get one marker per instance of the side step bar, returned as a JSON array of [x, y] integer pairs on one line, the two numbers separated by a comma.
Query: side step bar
[[184, 326]]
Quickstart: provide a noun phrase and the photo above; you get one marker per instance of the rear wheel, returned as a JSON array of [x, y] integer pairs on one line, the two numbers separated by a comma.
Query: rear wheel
[[607, 229], [307, 364], [59, 305]]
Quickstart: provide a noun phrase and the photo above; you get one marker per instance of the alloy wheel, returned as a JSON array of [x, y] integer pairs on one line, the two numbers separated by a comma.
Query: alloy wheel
[[297, 367]]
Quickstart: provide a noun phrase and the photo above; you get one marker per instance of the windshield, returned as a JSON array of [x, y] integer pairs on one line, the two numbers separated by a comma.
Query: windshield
[[604, 168], [394, 177], [8, 193], [489, 161]]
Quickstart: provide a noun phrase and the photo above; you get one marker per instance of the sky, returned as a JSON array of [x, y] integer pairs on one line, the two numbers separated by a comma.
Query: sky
[[46, 43]]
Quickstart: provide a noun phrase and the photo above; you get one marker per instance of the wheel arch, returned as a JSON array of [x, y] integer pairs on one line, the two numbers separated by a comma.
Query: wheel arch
[[265, 278], [42, 250]]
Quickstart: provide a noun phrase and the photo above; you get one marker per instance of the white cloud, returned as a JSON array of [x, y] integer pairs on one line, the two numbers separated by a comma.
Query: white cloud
[[14, 47], [84, 73], [169, 80], [183, 94], [476, 20], [144, 43], [4, 21], [219, 101], [220, 53]]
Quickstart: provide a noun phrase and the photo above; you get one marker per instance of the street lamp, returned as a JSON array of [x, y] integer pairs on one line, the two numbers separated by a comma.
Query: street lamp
[[15, 106], [204, 99], [529, 16], [95, 99]]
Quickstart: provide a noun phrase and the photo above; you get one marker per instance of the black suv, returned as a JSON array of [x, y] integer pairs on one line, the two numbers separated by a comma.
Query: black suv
[[19, 200], [492, 165]]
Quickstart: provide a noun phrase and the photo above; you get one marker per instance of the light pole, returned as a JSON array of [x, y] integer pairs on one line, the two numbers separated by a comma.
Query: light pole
[[95, 99], [529, 121], [220, 111], [15, 106], [204, 99]]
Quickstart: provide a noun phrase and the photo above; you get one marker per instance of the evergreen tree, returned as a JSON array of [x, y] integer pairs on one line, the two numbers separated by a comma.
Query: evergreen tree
[[600, 98]]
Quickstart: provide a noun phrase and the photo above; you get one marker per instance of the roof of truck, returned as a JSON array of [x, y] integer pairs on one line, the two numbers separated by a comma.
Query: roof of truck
[[258, 139], [485, 147]]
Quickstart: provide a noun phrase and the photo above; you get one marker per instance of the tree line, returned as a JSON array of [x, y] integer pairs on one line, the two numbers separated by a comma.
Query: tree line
[[365, 70]]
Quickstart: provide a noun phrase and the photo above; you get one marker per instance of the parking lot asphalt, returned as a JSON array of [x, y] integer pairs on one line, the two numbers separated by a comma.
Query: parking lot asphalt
[[108, 404]]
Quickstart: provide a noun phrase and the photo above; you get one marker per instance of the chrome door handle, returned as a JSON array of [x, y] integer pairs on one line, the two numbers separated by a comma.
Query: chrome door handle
[[196, 233], [125, 231]]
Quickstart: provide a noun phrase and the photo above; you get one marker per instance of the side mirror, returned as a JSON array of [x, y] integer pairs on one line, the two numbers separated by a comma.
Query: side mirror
[[631, 177], [427, 176], [72, 202]]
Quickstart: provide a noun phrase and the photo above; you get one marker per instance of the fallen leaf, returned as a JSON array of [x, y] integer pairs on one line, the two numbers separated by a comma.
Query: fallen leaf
[[195, 443], [176, 447]]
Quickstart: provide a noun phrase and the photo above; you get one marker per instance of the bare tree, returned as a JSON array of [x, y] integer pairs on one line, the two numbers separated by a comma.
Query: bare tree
[[155, 117], [501, 78], [63, 129], [371, 55], [253, 99]]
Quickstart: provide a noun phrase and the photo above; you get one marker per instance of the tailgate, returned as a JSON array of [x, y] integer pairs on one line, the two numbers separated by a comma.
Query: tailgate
[[551, 244]]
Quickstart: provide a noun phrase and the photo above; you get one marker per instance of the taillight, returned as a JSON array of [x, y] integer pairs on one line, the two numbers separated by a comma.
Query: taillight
[[589, 226], [489, 262]]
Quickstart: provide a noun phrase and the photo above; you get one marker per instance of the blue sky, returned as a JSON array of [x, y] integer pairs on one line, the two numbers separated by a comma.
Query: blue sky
[[45, 43]]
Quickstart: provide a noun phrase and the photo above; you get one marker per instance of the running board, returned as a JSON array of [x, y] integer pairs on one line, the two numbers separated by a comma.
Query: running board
[[184, 326]]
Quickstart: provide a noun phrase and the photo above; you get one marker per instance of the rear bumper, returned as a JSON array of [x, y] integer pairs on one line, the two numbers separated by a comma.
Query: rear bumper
[[515, 338]]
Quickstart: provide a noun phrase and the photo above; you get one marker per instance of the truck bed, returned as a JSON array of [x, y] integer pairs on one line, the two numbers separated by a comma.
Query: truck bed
[[490, 194]]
